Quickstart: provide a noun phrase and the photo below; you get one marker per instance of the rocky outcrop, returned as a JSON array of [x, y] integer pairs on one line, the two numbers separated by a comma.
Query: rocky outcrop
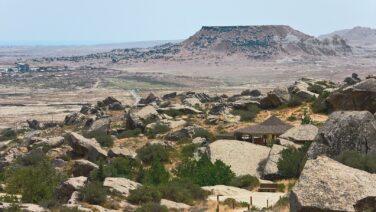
[[175, 206], [137, 119], [83, 168], [345, 131], [66, 189], [275, 98], [121, 152], [243, 157], [121, 185], [360, 96], [87, 148], [301, 91], [151, 98], [253, 93], [74, 119], [327, 185], [100, 125], [301, 133], [271, 167]]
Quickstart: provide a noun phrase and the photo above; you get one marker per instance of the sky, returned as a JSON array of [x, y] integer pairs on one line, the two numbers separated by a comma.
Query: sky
[[74, 22]]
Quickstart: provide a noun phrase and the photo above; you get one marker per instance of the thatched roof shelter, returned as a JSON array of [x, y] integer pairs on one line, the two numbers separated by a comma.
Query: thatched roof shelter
[[272, 126]]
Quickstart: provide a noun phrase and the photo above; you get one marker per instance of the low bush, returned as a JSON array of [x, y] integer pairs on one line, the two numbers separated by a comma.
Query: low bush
[[245, 181], [118, 167], [359, 161], [294, 101], [152, 207], [156, 175], [292, 161], [130, 133], [203, 133], [152, 153], [188, 150], [103, 138], [205, 173], [184, 191], [247, 114], [157, 129], [281, 187], [93, 193], [292, 118], [320, 105], [8, 135], [174, 113], [36, 183], [144, 194]]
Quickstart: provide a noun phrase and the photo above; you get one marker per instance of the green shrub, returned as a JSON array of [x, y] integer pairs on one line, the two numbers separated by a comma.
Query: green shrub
[[231, 202], [320, 105], [245, 181], [247, 114], [203, 133], [188, 150], [130, 133], [118, 167], [157, 174], [294, 101], [281, 187], [183, 191], [358, 160], [153, 152], [292, 161], [36, 183], [152, 207], [157, 129], [204, 173], [8, 135], [292, 118], [93, 193], [103, 138], [306, 118], [144, 194], [174, 113]]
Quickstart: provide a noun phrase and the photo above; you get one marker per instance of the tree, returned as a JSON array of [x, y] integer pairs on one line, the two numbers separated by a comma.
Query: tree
[[151, 153], [93, 193]]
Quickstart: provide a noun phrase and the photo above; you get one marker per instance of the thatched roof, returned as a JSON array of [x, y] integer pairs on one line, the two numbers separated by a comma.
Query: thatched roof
[[272, 125]]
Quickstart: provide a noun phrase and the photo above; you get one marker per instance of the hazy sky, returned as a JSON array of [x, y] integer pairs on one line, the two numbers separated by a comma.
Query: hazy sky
[[108, 21]]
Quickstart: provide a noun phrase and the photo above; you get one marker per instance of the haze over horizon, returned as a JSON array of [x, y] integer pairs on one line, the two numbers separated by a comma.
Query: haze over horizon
[[88, 22]]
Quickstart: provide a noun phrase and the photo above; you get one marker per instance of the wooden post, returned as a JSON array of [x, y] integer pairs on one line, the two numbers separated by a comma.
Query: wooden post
[[250, 200], [267, 203]]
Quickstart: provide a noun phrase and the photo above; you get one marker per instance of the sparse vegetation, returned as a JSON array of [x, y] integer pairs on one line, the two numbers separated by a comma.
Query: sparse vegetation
[[320, 105], [93, 193], [205, 173], [245, 181], [157, 129], [247, 114], [183, 191], [152, 153], [119, 167], [203, 133], [144, 194], [358, 160], [152, 207], [130, 133], [103, 138], [292, 161]]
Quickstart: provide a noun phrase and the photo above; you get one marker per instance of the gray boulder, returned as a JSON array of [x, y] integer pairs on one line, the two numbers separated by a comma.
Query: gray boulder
[[116, 106], [121, 152], [83, 168], [327, 185], [360, 96], [87, 148], [271, 169], [345, 131], [137, 119], [121, 185], [100, 125], [275, 98], [74, 119], [65, 190], [248, 92], [300, 134]]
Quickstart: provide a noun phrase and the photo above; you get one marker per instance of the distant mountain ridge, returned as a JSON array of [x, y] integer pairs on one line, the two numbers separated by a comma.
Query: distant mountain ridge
[[357, 36], [253, 42]]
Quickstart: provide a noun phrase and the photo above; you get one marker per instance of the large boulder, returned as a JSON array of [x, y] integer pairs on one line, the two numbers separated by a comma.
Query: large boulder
[[121, 152], [300, 90], [361, 96], [137, 119], [271, 167], [275, 98], [301, 133], [87, 148], [243, 157], [249, 92], [100, 125], [121, 185], [65, 190], [151, 98], [83, 168], [345, 131], [327, 185], [175, 206]]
